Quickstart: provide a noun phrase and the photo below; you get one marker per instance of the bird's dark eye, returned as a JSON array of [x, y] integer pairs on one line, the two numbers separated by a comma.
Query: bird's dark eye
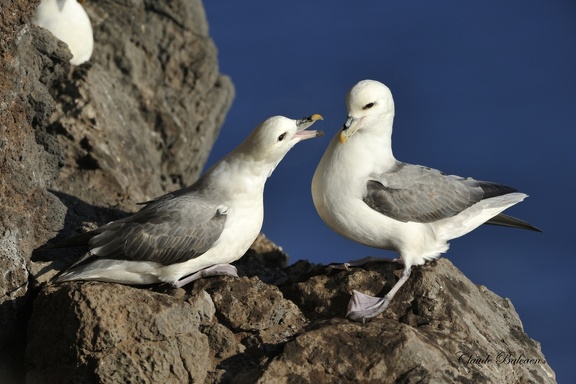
[[368, 106], [282, 136]]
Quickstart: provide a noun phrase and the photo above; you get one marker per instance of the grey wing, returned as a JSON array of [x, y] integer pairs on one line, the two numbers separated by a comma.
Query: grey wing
[[167, 231], [424, 195]]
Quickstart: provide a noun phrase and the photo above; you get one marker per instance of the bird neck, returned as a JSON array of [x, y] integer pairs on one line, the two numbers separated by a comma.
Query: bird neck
[[374, 146], [244, 172]]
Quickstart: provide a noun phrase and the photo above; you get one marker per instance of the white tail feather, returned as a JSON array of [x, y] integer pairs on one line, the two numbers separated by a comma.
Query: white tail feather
[[476, 215]]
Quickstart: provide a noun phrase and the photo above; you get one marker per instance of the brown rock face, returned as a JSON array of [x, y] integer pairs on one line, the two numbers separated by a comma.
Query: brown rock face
[[442, 328], [141, 117], [109, 333], [136, 121], [29, 214], [130, 334]]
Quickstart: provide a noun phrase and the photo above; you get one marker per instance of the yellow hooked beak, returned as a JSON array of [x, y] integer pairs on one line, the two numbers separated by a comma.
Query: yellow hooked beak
[[306, 122], [349, 128]]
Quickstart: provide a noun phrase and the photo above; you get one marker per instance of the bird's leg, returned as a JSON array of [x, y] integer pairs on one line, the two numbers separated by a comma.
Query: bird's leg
[[365, 260], [362, 306], [215, 270]]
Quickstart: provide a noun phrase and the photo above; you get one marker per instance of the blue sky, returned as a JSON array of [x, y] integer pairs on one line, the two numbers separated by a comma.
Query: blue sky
[[482, 89]]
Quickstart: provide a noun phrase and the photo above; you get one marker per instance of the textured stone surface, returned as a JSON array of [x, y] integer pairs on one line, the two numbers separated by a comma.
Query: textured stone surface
[[111, 333], [147, 107], [441, 328], [28, 213], [80, 146]]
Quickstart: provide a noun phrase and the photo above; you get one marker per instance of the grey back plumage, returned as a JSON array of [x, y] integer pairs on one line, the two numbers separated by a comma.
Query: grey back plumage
[[424, 195], [167, 231]]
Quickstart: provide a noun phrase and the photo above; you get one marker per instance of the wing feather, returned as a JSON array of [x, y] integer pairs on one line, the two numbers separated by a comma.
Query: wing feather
[[424, 195], [166, 231]]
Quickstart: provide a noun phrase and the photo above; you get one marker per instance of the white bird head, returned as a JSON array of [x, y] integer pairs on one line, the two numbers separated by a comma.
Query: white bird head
[[272, 139], [370, 104]]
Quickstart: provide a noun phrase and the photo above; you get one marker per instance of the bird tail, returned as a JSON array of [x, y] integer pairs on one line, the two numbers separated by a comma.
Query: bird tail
[[476, 215], [512, 222]]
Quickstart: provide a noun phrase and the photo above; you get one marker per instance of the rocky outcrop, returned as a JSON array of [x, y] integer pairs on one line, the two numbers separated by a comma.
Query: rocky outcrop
[[441, 328], [141, 117], [29, 214], [80, 146]]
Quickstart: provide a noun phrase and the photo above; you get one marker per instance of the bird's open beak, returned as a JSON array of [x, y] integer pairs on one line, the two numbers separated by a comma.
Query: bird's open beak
[[306, 122], [349, 128]]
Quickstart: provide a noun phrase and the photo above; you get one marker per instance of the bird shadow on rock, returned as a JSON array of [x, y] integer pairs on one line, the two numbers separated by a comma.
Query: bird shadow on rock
[[80, 217]]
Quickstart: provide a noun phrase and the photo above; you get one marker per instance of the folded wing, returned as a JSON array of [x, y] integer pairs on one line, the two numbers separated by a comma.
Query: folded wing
[[424, 195], [165, 231]]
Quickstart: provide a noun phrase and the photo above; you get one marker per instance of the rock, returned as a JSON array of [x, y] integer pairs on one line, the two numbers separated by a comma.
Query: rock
[[250, 306], [265, 260], [441, 328], [29, 214], [139, 120], [80, 146], [109, 333]]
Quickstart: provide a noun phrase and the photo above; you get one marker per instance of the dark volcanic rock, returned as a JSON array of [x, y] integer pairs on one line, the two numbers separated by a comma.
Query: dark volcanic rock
[[79, 146], [110, 333], [140, 118], [441, 328], [29, 214]]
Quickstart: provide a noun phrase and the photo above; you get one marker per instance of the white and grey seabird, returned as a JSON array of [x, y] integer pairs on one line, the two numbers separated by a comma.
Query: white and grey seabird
[[206, 225], [363, 193]]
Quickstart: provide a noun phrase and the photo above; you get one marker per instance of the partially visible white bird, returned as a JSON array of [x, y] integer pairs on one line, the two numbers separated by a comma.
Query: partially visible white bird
[[68, 21], [208, 224], [363, 193]]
